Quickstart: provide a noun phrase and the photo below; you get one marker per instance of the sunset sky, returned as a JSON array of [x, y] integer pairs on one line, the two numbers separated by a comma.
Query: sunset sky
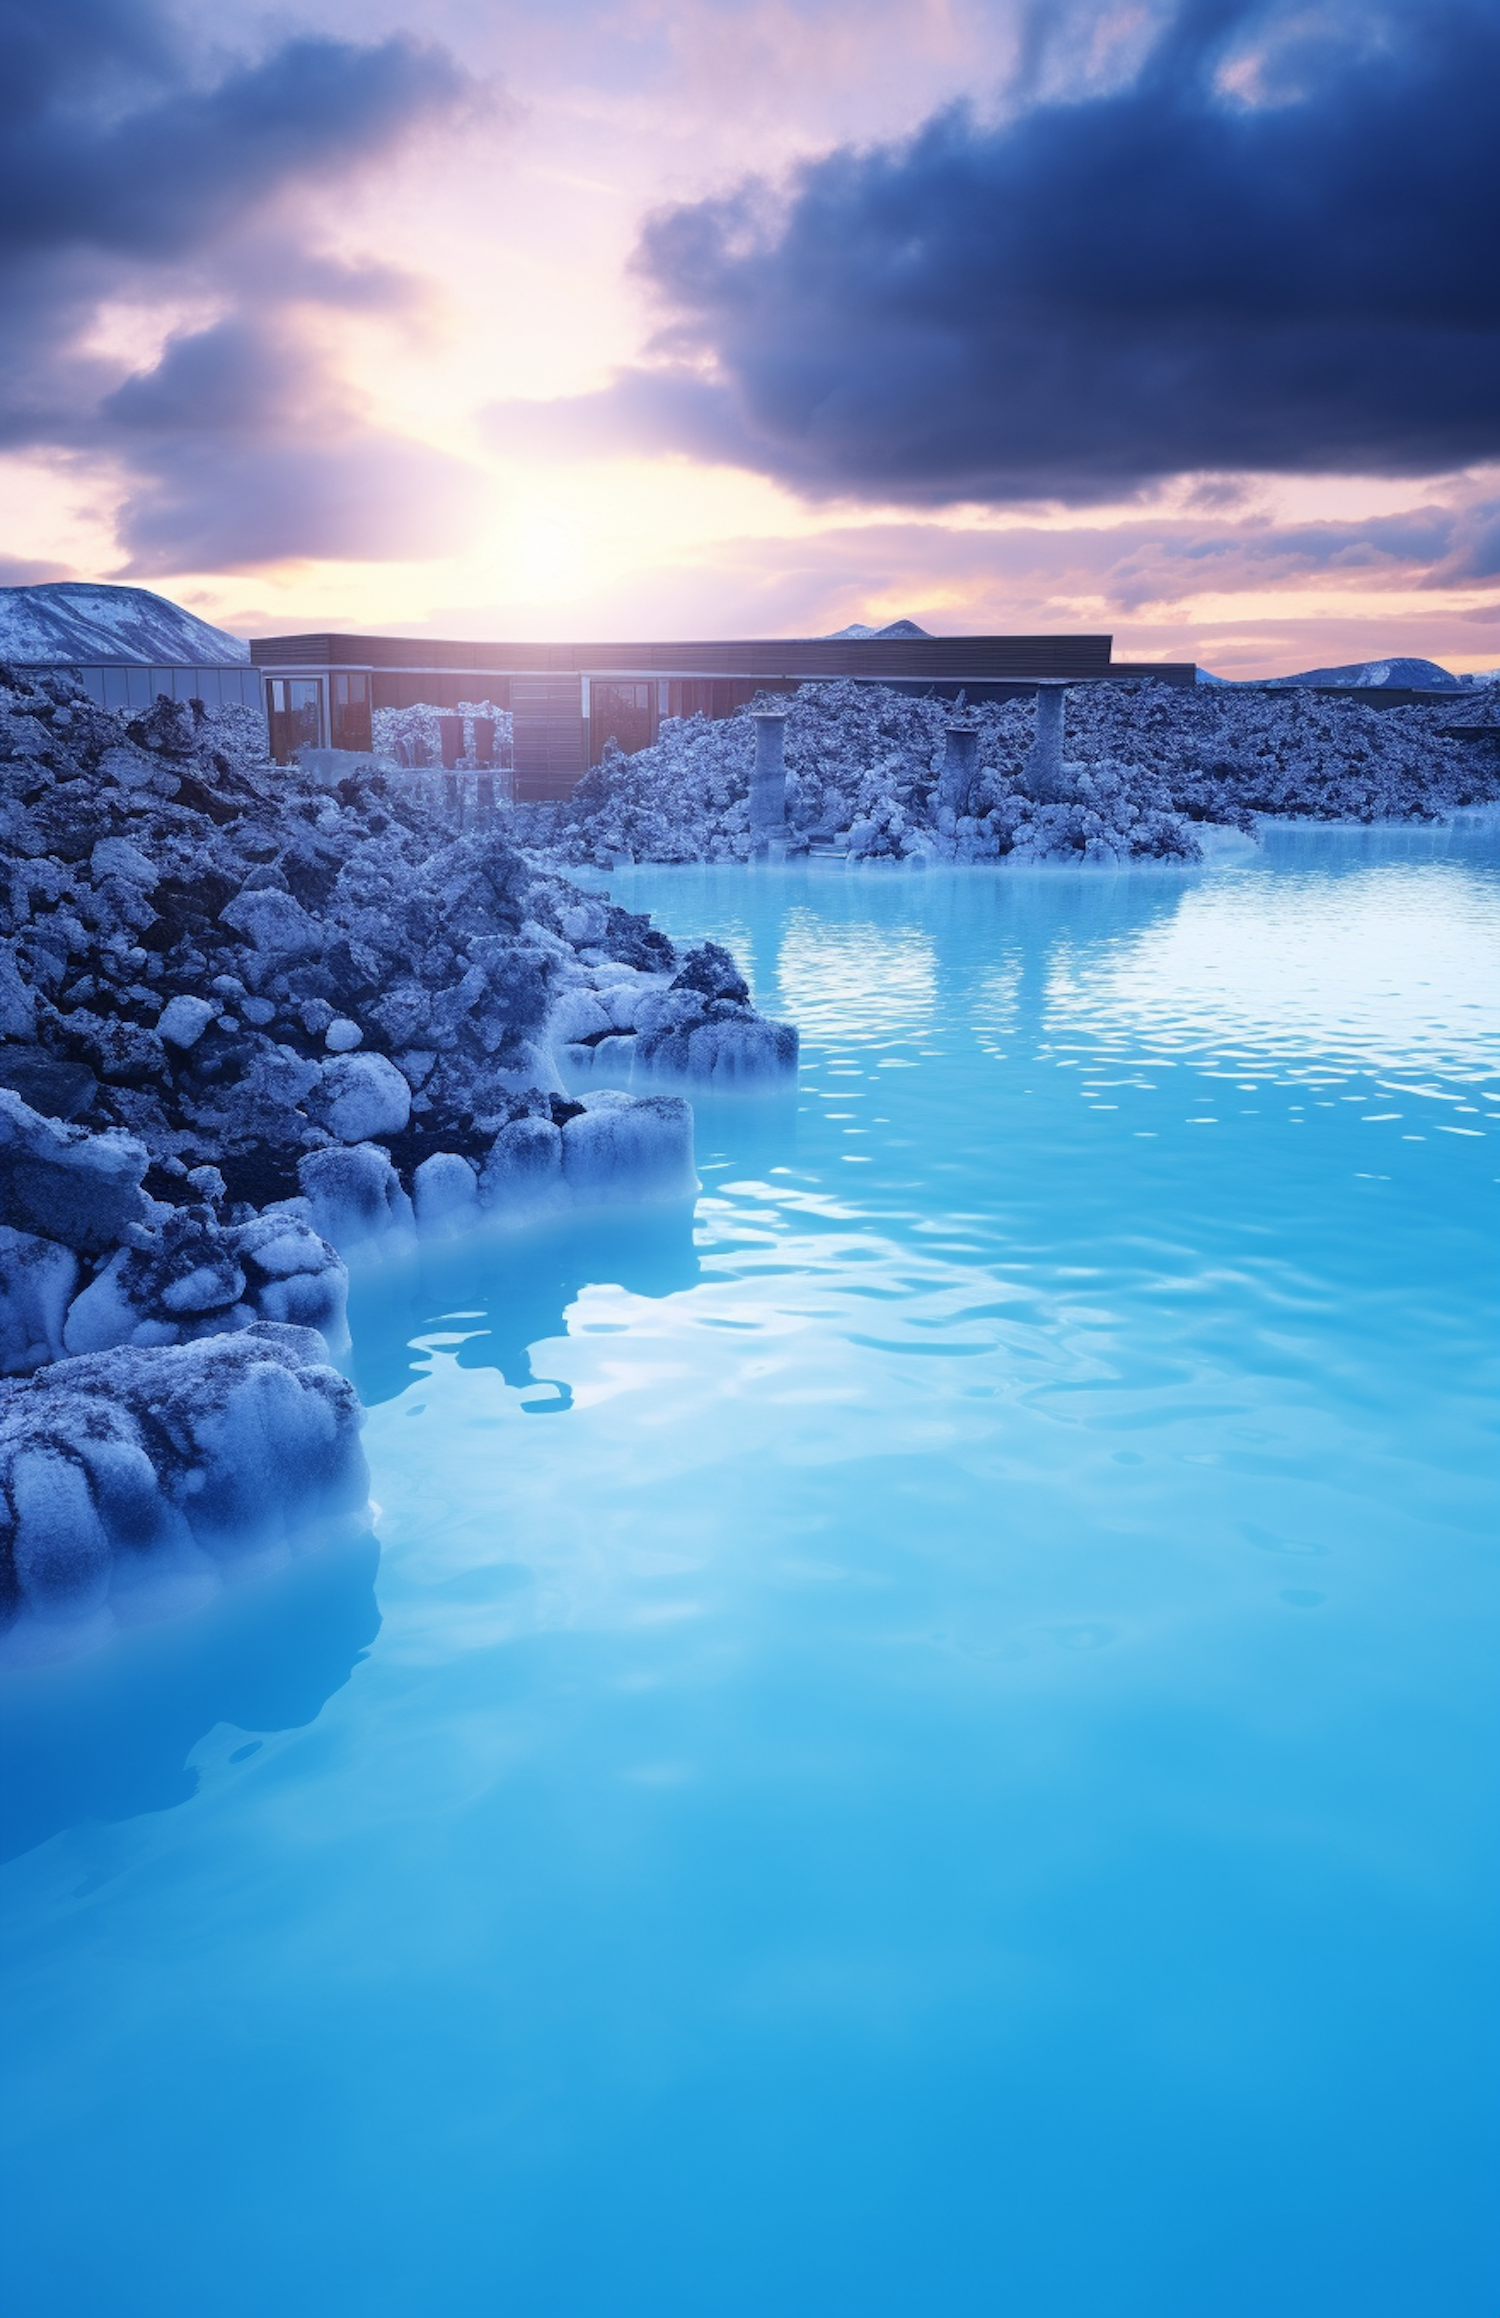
[[687, 318]]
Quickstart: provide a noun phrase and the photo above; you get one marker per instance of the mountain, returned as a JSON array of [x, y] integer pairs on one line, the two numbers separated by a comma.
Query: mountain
[[1417, 675], [896, 628], [63, 620], [1377, 675]]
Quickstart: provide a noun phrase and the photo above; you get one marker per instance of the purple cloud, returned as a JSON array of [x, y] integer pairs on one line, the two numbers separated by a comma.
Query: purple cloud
[[1166, 278]]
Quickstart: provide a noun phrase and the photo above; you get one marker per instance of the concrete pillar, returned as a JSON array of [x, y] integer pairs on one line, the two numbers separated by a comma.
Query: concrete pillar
[[960, 762], [768, 781], [1044, 773]]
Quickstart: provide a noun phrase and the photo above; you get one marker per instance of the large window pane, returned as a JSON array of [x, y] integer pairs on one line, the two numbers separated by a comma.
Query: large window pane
[[349, 711], [294, 711]]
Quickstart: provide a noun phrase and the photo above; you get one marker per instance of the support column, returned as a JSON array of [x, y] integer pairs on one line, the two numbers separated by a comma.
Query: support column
[[768, 781], [1044, 773], [960, 758]]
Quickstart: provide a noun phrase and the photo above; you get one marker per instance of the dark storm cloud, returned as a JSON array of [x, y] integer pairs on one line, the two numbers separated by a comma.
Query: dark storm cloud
[[128, 175], [1273, 250], [170, 170]]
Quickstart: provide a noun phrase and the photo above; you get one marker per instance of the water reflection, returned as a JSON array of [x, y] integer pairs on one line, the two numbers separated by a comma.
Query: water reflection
[[109, 1737], [1375, 968], [511, 1292], [1375, 947]]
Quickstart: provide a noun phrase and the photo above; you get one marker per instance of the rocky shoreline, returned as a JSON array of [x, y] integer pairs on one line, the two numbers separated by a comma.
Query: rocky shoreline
[[251, 1026]]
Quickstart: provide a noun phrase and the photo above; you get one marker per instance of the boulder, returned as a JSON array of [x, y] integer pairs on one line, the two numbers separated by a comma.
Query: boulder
[[64, 1184], [182, 1021], [360, 1096], [274, 923], [524, 1169], [354, 1197], [38, 1278], [624, 1147], [445, 1194]]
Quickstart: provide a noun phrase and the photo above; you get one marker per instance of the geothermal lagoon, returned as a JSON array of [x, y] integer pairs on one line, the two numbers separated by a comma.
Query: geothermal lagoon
[[915, 1737]]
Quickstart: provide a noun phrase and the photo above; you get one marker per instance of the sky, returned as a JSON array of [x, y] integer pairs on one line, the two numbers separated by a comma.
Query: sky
[[1178, 319]]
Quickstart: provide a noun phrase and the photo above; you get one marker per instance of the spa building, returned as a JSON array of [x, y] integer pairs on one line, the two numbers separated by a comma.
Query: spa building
[[567, 701]]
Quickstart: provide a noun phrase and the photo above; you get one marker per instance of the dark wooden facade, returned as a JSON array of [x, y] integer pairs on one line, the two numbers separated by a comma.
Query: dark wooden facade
[[569, 700]]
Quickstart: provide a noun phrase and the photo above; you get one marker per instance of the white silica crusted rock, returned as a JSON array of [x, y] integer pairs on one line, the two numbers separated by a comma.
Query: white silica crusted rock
[[360, 1096], [522, 1176], [65, 1184], [146, 1472], [445, 1195], [38, 1280], [629, 1147], [293, 1274], [609, 1148], [342, 1036], [704, 1029], [191, 1276], [577, 1015], [354, 1198]]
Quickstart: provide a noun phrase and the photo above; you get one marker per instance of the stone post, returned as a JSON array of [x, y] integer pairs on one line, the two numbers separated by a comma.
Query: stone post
[[959, 764], [768, 781], [1044, 773]]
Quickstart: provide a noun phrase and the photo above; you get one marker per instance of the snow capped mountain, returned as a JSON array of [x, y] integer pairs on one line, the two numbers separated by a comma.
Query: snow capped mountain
[[63, 620], [1419, 675], [1380, 675], [896, 628]]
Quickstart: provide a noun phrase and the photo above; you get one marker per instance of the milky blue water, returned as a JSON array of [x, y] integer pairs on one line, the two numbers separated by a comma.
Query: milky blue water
[[921, 1741]]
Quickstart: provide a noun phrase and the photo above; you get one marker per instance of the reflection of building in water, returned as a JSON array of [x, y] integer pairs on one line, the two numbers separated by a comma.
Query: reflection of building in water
[[570, 700]]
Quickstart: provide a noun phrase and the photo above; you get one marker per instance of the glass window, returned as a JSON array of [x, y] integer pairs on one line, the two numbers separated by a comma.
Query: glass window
[[294, 711], [624, 713], [349, 709]]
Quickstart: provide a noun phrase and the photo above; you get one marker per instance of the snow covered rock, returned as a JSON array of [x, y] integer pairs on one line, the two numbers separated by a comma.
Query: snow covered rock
[[275, 923], [872, 773]]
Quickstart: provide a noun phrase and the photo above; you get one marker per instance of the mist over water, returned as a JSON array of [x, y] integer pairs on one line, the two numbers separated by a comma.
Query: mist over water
[[927, 1740]]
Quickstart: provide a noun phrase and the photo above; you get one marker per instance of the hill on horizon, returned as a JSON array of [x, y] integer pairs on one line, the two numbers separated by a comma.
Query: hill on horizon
[[1379, 675], [57, 621]]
